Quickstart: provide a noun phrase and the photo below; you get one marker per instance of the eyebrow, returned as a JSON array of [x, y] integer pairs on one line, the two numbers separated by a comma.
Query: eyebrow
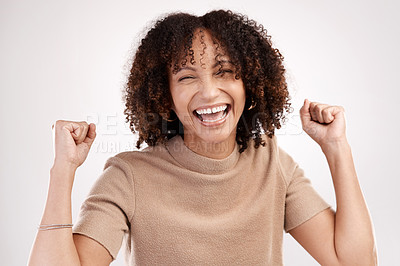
[[214, 66]]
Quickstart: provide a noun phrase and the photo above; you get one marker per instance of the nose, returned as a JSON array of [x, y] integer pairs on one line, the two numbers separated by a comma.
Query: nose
[[209, 89]]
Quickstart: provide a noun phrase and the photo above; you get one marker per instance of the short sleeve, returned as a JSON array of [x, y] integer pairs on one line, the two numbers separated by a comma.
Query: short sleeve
[[106, 213], [302, 201]]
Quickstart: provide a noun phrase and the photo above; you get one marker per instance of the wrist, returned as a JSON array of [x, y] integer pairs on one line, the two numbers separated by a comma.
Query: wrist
[[335, 145], [62, 175], [63, 166], [336, 150]]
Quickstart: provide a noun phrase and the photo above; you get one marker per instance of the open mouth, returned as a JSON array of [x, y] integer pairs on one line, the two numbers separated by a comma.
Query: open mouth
[[212, 115]]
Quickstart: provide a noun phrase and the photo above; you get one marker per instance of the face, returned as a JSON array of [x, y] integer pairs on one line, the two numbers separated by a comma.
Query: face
[[207, 100]]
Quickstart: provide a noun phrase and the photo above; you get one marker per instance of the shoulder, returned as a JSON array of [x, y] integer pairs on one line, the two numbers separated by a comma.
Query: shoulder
[[132, 159], [270, 150], [276, 155]]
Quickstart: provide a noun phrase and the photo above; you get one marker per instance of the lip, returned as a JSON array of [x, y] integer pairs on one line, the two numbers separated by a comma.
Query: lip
[[216, 123], [210, 106]]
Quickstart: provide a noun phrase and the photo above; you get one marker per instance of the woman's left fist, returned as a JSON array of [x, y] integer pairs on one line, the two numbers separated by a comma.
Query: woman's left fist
[[324, 123]]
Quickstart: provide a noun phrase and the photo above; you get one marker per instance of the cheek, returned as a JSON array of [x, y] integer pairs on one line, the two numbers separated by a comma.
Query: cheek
[[240, 96], [176, 97], [179, 101]]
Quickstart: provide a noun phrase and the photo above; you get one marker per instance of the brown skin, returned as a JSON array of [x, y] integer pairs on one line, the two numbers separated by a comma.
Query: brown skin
[[347, 236], [148, 99], [342, 238], [207, 85]]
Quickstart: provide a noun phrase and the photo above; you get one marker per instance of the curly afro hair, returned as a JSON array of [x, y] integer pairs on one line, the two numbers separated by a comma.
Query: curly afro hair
[[168, 45]]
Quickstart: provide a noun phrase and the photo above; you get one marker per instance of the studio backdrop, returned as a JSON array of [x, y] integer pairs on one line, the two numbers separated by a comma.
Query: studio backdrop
[[69, 60]]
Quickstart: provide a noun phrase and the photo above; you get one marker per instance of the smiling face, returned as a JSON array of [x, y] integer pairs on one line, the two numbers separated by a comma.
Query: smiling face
[[207, 98]]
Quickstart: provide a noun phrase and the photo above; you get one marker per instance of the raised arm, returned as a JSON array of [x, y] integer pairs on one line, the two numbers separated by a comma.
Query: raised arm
[[345, 237], [54, 243]]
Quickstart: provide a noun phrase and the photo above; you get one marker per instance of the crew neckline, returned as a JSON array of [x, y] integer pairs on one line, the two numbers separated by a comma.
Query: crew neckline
[[198, 163]]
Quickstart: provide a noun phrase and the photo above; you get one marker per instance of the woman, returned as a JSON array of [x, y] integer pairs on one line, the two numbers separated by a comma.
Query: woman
[[213, 187]]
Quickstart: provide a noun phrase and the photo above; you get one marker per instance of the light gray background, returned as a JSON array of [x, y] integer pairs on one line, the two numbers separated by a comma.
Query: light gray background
[[67, 60]]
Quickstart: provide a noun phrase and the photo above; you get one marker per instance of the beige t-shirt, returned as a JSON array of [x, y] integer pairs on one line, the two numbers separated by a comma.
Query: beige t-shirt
[[176, 207]]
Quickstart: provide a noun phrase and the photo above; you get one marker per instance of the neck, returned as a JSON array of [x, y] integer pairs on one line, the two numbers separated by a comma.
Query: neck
[[214, 150]]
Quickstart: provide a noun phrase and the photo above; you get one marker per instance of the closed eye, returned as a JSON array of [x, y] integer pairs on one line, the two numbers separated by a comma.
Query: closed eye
[[185, 77], [223, 71]]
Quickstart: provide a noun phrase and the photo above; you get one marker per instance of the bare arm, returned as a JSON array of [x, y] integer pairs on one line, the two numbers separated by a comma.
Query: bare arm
[[345, 237], [57, 247]]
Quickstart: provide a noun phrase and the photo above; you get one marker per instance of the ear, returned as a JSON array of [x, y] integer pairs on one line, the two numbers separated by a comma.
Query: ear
[[172, 103], [248, 99], [173, 107], [171, 100]]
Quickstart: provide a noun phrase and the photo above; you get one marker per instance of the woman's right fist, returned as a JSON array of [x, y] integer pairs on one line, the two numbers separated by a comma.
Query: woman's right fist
[[72, 142]]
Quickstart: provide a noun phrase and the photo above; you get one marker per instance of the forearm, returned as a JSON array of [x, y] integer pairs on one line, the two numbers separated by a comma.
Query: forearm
[[354, 237], [56, 247]]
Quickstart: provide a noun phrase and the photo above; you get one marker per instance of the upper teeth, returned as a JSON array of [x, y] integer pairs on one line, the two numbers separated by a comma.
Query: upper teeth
[[212, 110]]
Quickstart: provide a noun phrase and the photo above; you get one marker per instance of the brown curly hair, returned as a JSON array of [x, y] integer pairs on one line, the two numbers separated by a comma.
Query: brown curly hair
[[168, 44]]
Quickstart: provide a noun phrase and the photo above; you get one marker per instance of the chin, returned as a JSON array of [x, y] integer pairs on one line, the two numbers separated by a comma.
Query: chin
[[217, 137]]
